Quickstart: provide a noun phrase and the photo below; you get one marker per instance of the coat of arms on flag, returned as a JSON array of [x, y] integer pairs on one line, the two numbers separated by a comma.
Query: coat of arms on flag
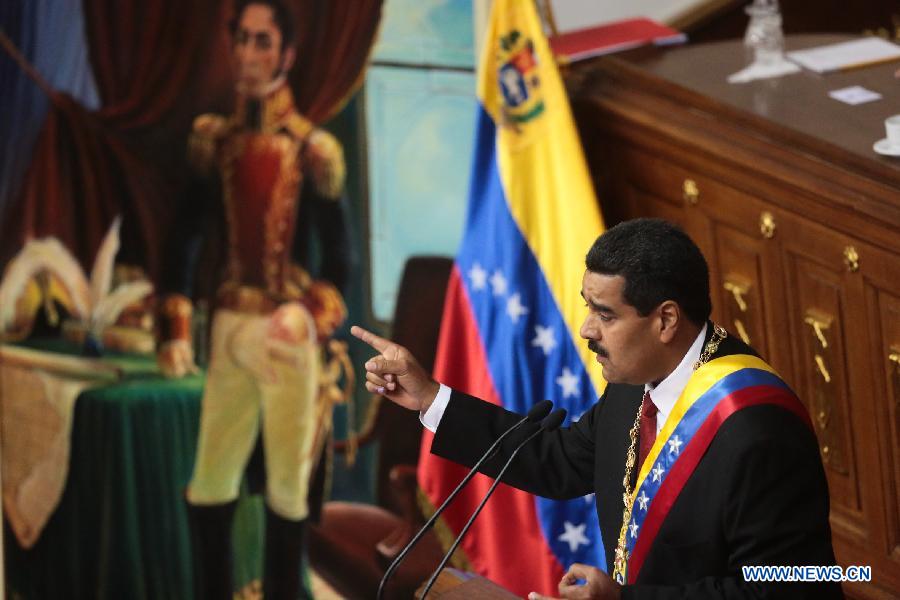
[[518, 78]]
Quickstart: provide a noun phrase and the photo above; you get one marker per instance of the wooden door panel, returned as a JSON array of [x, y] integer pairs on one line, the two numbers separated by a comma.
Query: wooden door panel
[[743, 268], [825, 311], [886, 357], [818, 319], [748, 258], [881, 279], [877, 376]]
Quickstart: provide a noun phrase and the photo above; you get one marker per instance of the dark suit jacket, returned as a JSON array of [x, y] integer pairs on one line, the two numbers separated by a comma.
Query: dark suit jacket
[[757, 497]]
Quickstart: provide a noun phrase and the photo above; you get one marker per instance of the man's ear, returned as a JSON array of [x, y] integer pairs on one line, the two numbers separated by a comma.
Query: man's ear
[[287, 60], [669, 319]]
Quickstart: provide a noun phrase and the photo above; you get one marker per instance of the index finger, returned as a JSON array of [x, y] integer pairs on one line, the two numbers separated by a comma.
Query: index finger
[[377, 342]]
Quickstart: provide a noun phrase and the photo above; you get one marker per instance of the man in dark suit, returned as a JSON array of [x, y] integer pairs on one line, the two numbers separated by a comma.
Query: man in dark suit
[[715, 455]]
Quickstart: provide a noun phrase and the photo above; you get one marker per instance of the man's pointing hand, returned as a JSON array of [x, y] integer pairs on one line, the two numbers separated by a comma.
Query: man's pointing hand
[[396, 374]]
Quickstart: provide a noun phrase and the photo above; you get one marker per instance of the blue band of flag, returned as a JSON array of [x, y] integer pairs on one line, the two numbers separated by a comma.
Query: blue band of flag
[[514, 308]]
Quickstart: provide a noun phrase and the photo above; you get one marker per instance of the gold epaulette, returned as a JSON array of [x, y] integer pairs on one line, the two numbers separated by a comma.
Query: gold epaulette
[[325, 160], [298, 126], [207, 130]]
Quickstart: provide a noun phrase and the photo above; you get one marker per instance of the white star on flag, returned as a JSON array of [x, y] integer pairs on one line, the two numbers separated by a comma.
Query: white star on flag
[[569, 383], [675, 445], [588, 499], [478, 276], [643, 499], [514, 308], [498, 282], [544, 338], [574, 536], [658, 472], [633, 529]]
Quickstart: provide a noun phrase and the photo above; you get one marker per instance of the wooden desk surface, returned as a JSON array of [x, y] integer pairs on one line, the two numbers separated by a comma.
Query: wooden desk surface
[[795, 108], [787, 127]]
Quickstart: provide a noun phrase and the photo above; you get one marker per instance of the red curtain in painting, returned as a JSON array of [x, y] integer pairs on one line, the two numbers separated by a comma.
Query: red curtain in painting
[[335, 39], [157, 65]]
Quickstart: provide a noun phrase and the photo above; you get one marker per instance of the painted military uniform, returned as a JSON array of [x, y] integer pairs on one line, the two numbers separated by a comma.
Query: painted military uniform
[[279, 179]]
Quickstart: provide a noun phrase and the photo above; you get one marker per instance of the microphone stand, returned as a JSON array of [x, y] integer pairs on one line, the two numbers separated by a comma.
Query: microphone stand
[[537, 411], [548, 424]]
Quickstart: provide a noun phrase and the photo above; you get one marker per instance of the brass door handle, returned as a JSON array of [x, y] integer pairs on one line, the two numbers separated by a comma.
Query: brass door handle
[[738, 290], [894, 357], [767, 225], [690, 192], [819, 324], [823, 370], [742, 331], [851, 259]]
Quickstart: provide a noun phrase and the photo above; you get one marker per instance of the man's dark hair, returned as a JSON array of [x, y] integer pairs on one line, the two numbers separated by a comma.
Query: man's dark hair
[[659, 262], [281, 16]]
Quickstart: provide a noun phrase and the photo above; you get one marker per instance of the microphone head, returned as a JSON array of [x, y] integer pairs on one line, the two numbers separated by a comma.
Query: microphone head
[[540, 410], [553, 420]]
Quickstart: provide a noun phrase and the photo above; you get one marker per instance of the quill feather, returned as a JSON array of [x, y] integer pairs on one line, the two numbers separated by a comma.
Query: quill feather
[[111, 306], [102, 272]]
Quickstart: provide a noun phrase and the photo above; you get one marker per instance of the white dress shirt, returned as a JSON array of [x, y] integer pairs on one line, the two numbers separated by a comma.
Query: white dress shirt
[[666, 394], [663, 395]]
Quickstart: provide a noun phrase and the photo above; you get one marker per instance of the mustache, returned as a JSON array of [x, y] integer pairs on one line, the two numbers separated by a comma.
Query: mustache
[[596, 348]]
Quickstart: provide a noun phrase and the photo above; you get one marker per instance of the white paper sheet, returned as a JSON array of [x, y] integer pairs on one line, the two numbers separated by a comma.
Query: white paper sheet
[[854, 95], [846, 55]]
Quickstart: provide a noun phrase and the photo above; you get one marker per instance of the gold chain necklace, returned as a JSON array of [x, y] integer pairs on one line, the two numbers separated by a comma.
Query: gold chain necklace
[[712, 346], [620, 561]]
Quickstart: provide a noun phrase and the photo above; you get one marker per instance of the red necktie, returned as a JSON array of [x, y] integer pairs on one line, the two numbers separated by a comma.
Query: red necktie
[[648, 427]]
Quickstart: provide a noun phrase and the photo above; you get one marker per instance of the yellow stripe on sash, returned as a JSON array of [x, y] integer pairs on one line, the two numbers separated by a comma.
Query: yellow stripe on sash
[[701, 381]]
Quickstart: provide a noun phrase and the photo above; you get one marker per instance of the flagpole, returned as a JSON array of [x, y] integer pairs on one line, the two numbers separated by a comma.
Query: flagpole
[[545, 10], [481, 15]]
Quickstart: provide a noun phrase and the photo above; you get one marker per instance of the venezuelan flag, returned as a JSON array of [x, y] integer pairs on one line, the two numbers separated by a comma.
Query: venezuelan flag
[[513, 310]]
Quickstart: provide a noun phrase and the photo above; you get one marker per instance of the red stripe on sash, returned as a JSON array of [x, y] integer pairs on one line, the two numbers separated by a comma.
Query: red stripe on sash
[[694, 450]]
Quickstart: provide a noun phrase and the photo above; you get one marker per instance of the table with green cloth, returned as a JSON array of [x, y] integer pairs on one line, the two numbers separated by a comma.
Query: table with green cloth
[[121, 527]]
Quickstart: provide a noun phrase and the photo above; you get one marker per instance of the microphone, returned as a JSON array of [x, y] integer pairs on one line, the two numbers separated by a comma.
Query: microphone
[[549, 423], [538, 411]]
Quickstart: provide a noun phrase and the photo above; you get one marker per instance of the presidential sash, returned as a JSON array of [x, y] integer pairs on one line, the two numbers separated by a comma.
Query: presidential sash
[[715, 391]]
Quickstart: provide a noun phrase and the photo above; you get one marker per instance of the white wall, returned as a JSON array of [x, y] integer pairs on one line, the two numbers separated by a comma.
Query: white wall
[[578, 14]]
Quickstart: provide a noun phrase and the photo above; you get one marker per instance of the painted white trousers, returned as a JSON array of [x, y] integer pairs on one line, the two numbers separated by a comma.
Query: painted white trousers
[[263, 372]]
